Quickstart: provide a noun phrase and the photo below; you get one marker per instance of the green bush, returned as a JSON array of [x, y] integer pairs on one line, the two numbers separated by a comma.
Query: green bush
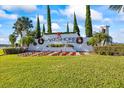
[[69, 45], [13, 50], [56, 45], [110, 50], [60, 45]]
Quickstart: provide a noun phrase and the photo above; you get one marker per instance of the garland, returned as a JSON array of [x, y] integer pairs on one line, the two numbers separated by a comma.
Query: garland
[[79, 40], [40, 40]]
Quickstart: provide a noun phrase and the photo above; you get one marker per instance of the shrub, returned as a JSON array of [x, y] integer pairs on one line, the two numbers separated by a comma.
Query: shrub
[[13, 50], [27, 40], [109, 50], [117, 44], [60, 45], [69, 45], [56, 45]]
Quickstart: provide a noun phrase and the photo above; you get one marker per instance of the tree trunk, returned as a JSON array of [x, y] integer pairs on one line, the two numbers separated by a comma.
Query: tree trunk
[[21, 40]]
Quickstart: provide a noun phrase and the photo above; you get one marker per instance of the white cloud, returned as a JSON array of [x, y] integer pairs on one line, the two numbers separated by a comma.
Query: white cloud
[[121, 18], [96, 15], [80, 12], [41, 18], [96, 28], [8, 16], [82, 29], [27, 8], [118, 35], [107, 20], [55, 27], [54, 12], [0, 25], [4, 40]]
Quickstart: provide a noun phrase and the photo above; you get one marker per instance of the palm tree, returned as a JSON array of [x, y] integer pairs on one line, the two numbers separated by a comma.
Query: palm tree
[[117, 8], [103, 39], [92, 41], [99, 39], [27, 40], [107, 39]]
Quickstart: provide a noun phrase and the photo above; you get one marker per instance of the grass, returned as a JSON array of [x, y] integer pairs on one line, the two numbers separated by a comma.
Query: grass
[[1, 52], [63, 72]]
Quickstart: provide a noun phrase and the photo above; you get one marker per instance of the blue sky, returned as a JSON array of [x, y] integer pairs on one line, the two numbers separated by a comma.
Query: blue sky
[[62, 14]]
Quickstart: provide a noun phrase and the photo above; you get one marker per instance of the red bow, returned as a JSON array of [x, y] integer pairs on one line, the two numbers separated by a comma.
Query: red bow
[[58, 34]]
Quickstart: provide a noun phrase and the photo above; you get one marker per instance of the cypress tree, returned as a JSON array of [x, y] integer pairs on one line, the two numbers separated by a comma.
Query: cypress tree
[[67, 28], [75, 27], [43, 29], [88, 22], [38, 33], [48, 20]]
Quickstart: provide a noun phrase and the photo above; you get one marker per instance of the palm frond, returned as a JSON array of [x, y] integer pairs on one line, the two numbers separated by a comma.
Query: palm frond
[[117, 8]]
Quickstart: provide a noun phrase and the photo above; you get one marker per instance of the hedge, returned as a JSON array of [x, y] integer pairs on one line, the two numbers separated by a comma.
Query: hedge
[[13, 50], [56, 45], [60, 45], [110, 50]]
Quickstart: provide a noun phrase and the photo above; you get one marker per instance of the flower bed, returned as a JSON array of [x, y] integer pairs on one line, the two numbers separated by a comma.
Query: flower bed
[[37, 54], [81, 53], [41, 53], [65, 53], [50, 54], [56, 54], [26, 54], [73, 54], [47, 53]]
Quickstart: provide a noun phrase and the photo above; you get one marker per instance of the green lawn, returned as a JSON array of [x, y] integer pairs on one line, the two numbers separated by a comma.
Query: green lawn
[[1, 52], [69, 71]]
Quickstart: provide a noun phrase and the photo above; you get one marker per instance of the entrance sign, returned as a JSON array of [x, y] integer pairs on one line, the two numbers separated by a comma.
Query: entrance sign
[[61, 42]]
